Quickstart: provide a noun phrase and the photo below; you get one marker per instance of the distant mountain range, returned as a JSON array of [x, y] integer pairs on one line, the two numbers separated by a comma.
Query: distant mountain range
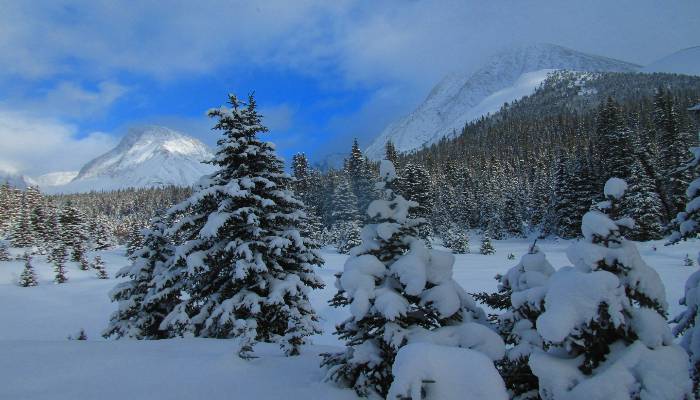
[[150, 156], [508, 76]]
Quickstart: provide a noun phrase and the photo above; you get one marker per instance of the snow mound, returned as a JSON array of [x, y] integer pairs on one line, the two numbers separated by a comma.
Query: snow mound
[[662, 373], [446, 373]]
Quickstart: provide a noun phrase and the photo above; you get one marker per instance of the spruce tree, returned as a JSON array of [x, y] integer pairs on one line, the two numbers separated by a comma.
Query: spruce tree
[[390, 153], [249, 271], [521, 290], [486, 245], [673, 145], [4, 253], [135, 241], [395, 287], [414, 185], [643, 205], [150, 292], [345, 230], [607, 309], [99, 266], [74, 231], [22, 232], [59, 256], [456, 239], [360, 177], [688, 226], [28, 276]]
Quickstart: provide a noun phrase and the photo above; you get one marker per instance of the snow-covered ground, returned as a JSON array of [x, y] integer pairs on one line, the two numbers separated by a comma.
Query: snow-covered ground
[[38, 362]]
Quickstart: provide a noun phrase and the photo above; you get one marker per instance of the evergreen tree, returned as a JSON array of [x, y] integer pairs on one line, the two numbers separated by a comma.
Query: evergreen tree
[[151, 291], [99, 233], [486, 245], [28, 277], [249, 271], [392, 291], [673, 145], [521, 289], [346, 226], [456, 239], [135, 241], [59, 256], [360, 176], [614, 142], [688, 226], [643, 205], [22, 232], [620, 309], [391, 154], [4, 253], [414, 185], [73, 231], [99, 266]]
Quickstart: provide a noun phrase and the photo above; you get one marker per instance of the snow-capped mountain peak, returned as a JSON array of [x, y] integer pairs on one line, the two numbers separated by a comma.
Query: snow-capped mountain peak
[[462, 97], [148, 156]]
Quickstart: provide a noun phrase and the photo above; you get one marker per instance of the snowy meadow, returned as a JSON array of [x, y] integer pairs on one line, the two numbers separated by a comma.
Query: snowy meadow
[[39, 362]]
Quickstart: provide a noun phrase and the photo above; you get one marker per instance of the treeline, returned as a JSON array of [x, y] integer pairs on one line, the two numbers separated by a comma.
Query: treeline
[[535, 166]]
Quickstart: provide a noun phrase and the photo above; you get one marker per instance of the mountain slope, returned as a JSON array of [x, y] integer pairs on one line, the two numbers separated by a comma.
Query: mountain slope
[[151, 156], [460, 98], [686, 61]]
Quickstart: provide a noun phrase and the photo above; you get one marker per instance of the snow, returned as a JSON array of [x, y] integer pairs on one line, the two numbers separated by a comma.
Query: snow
[[452, 373], [686, 61], [462, 97], [151, 156], [662, 373], [615, 187], [573, 298], [38, 361]]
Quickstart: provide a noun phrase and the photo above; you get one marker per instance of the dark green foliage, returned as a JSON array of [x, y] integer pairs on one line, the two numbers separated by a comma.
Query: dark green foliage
[[28, 277], [59, 256]]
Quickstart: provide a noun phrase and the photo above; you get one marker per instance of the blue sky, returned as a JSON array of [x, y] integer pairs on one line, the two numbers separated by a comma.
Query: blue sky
[[75, 75]]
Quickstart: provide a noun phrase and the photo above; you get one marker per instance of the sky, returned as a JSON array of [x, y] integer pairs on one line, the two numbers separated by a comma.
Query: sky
[[76, 75]]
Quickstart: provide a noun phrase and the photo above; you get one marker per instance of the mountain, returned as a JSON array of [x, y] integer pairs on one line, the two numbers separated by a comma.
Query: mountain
[[16, 180], [150, 156], [686, 61], [55, 178], [460, 98]]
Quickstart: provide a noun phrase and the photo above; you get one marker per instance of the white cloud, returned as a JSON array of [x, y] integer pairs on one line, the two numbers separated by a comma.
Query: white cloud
[[34, 146]]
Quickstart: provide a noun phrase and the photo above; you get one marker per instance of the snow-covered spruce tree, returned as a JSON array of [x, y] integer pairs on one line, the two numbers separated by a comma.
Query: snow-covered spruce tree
[[4, 253], [603, 323], [414, 184], [135, 241], [521, 290], [360, 176], [59, 256], [642, 204], [688, 224], [486, 245], [22, 232], [99, 266], [100, 236], [249, 271], [391, 153], [83, 263], [28, 276], [346, 226], [456, 239], [399, 292], [150, 293], [74, 231]]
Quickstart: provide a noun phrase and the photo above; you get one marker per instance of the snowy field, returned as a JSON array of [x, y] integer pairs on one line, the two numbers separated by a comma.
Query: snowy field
[[39, 362]]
